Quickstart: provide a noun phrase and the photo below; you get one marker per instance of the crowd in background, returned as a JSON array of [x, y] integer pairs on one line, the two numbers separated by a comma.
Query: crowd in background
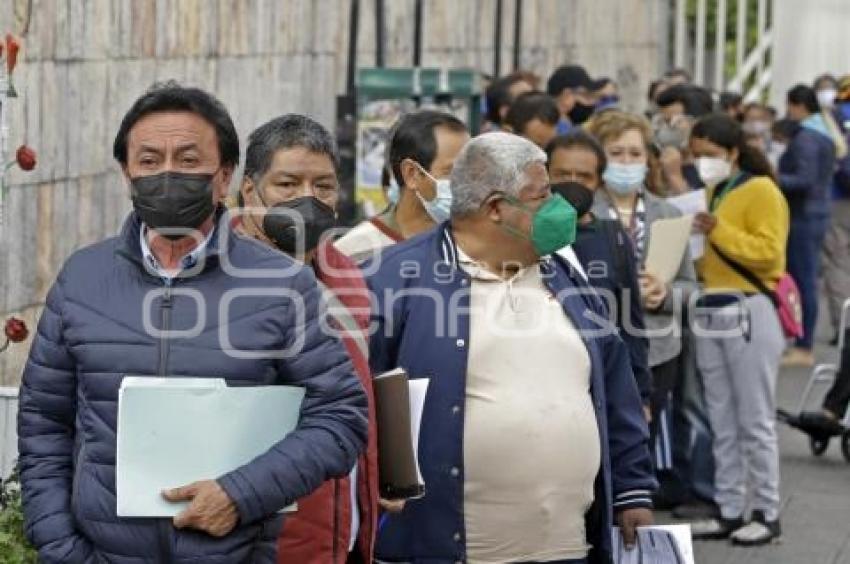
[[538, 433], [798, 157]]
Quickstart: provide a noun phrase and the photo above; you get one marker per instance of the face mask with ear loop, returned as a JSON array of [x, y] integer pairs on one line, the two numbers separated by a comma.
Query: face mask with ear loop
[[282, 227], [440, 208], [175, 203], [713, 170], [553, 225]]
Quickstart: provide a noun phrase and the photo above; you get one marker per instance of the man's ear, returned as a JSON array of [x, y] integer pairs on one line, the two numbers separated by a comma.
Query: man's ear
[[491, 208], [247, 189], [224, 187], [125, 172], [410, 174]]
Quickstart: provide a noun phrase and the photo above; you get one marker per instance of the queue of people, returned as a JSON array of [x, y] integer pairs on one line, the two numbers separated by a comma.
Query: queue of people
[[509, 269]]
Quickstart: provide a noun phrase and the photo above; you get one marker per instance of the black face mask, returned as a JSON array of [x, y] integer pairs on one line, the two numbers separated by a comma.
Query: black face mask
[[283, 229], [577, 194], [581, 113], [173, 200]]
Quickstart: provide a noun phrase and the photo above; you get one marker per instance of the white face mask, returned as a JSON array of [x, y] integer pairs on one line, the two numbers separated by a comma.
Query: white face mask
[[625, 179], [826, 97], [440, 207], [713, 170]]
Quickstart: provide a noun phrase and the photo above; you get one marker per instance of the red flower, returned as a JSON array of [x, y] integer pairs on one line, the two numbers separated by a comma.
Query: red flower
[[26, 157], [16, 330], [12, 48]]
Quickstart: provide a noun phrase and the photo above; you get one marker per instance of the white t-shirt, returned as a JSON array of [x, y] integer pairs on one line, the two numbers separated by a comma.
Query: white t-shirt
[[531, 442]]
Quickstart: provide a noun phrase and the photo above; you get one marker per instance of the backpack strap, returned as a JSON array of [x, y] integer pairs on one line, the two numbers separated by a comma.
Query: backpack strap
[[747, 275]]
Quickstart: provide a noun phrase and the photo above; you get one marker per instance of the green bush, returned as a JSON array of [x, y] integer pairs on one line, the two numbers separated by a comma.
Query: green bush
[[14, 548]]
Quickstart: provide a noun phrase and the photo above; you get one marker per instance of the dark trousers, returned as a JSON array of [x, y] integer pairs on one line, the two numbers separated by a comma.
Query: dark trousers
[[664, 380], [692, 474], [665, 377], [838, 397], [805, 243]]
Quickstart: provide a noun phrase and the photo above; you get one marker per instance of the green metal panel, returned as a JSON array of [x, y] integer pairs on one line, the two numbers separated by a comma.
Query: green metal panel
[[409, 82], [383, 94]]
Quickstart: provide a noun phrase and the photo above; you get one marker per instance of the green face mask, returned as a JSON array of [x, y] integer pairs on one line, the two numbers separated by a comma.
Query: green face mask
[[552, 227]]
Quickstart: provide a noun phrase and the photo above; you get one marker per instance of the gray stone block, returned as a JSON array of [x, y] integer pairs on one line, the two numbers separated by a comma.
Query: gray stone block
[[61, 29]]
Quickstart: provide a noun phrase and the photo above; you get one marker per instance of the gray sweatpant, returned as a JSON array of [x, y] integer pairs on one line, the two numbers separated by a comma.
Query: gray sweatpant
[[739, 374]]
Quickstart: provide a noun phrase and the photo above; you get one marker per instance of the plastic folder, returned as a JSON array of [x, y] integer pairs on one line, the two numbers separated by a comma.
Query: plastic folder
[[175, 431]]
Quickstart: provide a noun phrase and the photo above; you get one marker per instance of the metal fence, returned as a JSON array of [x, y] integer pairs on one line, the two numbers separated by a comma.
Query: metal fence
[[751, 69]]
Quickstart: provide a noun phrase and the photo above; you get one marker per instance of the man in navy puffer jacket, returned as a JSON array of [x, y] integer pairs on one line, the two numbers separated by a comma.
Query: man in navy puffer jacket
[[177, 293]]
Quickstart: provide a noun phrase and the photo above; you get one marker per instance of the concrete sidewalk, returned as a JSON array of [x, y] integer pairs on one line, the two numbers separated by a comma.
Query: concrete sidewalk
[[815, 495]]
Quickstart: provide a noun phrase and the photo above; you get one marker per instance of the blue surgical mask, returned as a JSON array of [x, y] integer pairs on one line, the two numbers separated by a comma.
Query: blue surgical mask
[[441, 206], [624, 178], [393, 192]]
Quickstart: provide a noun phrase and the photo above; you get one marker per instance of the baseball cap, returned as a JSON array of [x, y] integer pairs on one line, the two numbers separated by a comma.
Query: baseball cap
[[572, 76]]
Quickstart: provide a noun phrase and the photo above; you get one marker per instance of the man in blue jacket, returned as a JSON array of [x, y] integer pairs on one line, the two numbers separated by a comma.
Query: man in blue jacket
[[532, 436], [177, 294]]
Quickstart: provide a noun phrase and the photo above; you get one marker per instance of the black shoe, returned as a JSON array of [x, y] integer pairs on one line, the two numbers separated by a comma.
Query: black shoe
[[758, 531], [813, 423], [716, 528], [696, 510], [817, 424]]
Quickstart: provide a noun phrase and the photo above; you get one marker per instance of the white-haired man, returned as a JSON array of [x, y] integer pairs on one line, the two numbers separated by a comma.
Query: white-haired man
[[533, 433]]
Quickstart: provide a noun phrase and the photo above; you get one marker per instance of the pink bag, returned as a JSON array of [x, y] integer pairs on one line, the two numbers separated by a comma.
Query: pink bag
[[786, 298]]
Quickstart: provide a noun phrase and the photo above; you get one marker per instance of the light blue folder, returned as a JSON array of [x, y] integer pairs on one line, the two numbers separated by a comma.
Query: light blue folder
[[175, 431]]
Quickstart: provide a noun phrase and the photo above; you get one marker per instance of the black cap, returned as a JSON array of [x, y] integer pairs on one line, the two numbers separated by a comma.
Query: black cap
[[572, 76]]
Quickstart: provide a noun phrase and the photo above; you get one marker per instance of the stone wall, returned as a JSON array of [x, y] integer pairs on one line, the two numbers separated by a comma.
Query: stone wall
[[85, 61]]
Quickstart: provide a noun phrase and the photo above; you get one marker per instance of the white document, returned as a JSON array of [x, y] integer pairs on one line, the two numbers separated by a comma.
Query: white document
[[680, 533], [692, 203], [418, 390], [175, 431], [668, 239], [696, 245]]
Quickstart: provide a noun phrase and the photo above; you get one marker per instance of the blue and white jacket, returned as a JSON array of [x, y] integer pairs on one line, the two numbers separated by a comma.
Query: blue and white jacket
[[421, 323]]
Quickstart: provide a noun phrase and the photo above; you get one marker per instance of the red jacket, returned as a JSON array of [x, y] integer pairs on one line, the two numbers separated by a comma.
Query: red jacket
[[320, 531]]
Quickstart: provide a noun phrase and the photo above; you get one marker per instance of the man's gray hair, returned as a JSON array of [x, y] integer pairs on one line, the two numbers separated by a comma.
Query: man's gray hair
[[492, 162], [286, 132]]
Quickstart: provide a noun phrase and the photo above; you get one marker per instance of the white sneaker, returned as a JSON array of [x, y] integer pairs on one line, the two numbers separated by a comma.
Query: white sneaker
[[757, 532], [715, 529]]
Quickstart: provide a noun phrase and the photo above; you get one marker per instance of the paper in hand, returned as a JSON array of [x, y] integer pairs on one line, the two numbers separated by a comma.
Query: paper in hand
[[671, 544], [692, 203], [668, 239], [175, 431]]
